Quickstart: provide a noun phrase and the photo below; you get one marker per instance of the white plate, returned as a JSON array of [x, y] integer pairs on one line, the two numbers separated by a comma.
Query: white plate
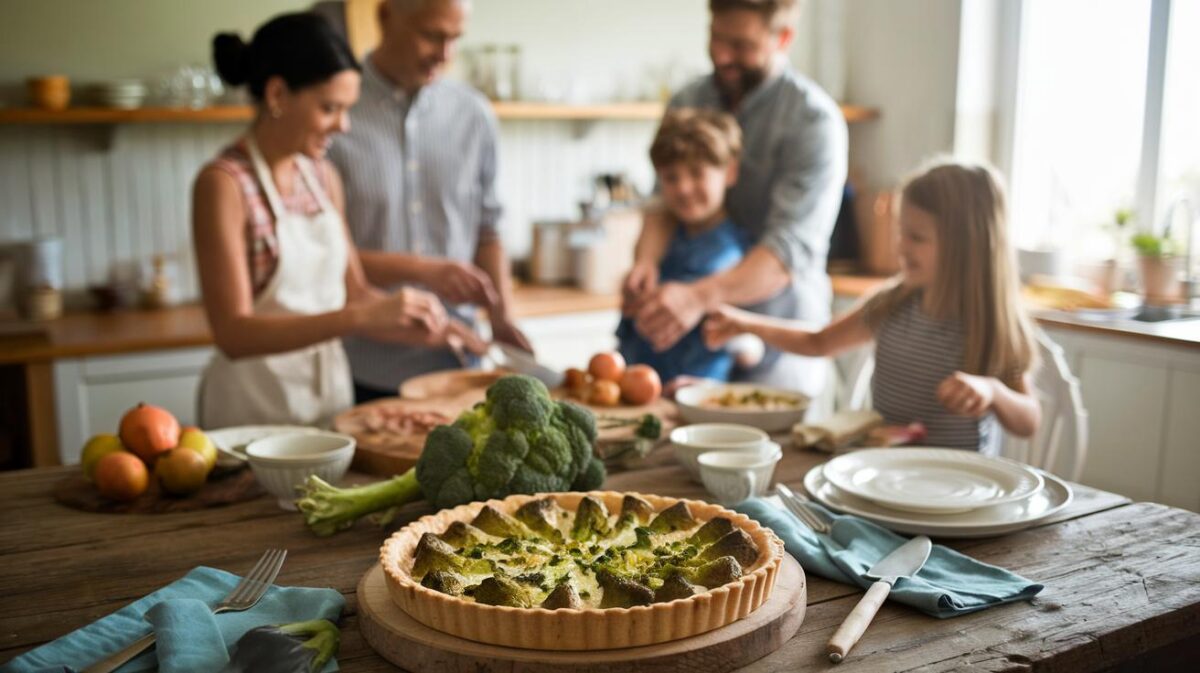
[[690, 400], [231, 442], [939, 481], [982, 522]]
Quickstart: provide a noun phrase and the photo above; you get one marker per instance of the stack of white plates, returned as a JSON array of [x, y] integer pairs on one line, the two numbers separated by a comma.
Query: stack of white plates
[[122, 93], [940, 492]]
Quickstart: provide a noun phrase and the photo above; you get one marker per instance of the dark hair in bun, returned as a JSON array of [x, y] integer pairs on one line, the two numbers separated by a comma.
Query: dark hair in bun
[[302, 48]]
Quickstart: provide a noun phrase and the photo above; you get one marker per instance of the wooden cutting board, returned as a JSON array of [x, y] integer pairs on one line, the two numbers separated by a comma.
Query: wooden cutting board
[[221, 489], [387, 452], [415, 647], [450, 393]]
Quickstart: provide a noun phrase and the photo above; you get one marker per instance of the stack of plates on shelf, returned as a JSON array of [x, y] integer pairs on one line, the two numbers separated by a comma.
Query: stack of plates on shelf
[[939, 492], [122, 93]]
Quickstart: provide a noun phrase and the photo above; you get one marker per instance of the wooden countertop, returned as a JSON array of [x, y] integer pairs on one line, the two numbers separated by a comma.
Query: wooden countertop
[[90, 333], [1122, 580]]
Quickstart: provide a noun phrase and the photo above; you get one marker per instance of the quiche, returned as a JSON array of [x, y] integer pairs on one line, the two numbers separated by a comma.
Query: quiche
[[575, 571]]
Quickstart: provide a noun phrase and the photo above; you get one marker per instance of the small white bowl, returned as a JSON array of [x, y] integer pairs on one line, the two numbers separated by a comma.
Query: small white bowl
[[692, 409], [689, 441], [734, 476], [283, 462]]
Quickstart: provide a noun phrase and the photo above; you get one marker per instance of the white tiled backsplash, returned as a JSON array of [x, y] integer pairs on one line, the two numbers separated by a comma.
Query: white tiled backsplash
[[123, 193]]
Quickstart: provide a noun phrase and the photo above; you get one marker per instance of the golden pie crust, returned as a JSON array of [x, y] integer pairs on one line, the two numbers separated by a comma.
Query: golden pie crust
[[588, 628]]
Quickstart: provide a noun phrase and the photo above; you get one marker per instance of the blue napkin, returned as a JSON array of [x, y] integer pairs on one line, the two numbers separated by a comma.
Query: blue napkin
[[190, 638], [948, 585]]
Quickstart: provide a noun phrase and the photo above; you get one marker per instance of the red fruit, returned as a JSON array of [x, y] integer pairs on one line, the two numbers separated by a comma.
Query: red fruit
[[640, 385], [607, 367], [148, 430], [121, 476]]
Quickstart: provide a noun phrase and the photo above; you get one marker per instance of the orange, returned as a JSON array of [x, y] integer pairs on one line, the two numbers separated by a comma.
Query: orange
[[121, 476]]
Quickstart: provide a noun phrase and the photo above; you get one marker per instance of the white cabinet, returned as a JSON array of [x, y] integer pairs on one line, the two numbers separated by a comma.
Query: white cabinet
[[92, 393], [1143, 403]]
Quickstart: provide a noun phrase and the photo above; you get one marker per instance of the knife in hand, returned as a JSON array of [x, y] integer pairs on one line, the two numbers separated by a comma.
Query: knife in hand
[[904, 561]]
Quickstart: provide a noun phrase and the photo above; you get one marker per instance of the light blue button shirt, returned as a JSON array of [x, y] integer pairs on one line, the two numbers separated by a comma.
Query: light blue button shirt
[[420, 178]]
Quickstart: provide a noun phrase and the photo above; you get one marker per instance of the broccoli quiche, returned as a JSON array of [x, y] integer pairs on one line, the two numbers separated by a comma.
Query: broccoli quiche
[[574, 571]]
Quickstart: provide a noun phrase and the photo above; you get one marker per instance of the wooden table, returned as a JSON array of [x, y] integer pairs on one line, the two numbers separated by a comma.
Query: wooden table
[[1122, 579]]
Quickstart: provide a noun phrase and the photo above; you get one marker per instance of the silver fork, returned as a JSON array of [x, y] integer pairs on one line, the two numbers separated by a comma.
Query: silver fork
[[798, 505], [243, 597]]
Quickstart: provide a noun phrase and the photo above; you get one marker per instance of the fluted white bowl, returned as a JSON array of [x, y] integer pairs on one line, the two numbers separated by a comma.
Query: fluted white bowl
[[283, 462]]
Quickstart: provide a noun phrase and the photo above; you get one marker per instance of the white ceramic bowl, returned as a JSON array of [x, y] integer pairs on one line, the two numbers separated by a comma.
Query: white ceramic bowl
[[734, 476], [692, 409], [689, 441], [283, 462]]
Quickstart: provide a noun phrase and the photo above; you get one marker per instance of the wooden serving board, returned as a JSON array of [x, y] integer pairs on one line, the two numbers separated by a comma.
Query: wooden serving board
[[222, 488], [450, 393], [415, 647]]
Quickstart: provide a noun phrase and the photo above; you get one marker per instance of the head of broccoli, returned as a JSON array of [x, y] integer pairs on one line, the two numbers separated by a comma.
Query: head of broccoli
[[518, 440]]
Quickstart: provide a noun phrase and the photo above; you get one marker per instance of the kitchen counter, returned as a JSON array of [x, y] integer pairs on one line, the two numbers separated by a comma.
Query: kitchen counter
[[89, 333]]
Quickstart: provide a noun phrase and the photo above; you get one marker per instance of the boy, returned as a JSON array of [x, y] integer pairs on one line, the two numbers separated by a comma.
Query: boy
[[695, 155]]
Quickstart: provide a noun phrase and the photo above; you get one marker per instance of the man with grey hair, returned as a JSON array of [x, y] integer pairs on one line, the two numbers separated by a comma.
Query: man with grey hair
[[419, 165], [789, 187]]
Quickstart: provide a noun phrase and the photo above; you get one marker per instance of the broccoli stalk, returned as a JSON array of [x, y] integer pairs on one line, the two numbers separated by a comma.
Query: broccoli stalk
[[518, 440], [328, 509]]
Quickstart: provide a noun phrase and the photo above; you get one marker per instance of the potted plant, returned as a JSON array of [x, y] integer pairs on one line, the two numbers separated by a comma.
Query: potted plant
[[1110, 269], [1159, 264]]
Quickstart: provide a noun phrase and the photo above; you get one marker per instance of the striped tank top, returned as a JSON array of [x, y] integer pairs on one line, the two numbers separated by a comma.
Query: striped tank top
[[913, 355]]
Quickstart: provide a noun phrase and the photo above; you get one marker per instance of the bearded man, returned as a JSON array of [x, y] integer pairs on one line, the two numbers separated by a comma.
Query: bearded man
[[786, 199]]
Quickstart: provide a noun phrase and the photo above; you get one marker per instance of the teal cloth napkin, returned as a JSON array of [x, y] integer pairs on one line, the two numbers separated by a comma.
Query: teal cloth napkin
[[948, 585], [190, 638]]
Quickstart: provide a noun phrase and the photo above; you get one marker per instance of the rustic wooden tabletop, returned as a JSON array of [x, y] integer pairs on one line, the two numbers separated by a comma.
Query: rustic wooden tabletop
[[1122, 579]]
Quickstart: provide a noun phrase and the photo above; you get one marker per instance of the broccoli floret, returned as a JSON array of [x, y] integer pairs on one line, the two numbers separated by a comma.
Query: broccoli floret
[[643, 539], [712, 531], [637, 509], [735, 543], [622, 592], [591, 520], [494, 522], [518, 440], [675, 587], [434, 554], [461, 534], [715, 573], [445, 582], [501, 590], [564, 596], [676, 517], [541, 516]]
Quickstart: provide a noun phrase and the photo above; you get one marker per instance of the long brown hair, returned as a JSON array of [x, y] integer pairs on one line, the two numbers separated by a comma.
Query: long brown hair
[[976, 281]]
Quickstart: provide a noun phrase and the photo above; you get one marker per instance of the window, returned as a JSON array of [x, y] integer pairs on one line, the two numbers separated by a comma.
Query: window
[[1106, 116]]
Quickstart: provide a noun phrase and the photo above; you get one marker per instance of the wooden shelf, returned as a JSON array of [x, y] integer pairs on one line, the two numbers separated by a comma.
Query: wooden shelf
[[242, 113], [102, 115]]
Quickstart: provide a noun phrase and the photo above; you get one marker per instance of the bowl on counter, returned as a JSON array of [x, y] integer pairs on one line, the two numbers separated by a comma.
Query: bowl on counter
[[283, 462], [688, 442], [762, 407]]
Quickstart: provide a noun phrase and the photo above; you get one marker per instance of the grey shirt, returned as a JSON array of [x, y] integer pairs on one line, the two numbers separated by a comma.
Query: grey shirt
[[420, 178], [790, 182]]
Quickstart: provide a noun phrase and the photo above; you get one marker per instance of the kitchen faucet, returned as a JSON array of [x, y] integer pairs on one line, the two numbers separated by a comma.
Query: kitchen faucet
[[1190, 284]]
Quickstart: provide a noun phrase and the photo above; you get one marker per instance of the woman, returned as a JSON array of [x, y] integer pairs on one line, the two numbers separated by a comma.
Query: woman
[[280, 278]]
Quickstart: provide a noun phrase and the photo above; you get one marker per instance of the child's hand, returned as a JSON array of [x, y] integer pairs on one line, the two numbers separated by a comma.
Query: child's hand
[[722, 325], [641, 280], [966, 394]]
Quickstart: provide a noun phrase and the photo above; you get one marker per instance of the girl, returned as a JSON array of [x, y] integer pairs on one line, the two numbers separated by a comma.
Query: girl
[[953, 348], [281, 280]]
